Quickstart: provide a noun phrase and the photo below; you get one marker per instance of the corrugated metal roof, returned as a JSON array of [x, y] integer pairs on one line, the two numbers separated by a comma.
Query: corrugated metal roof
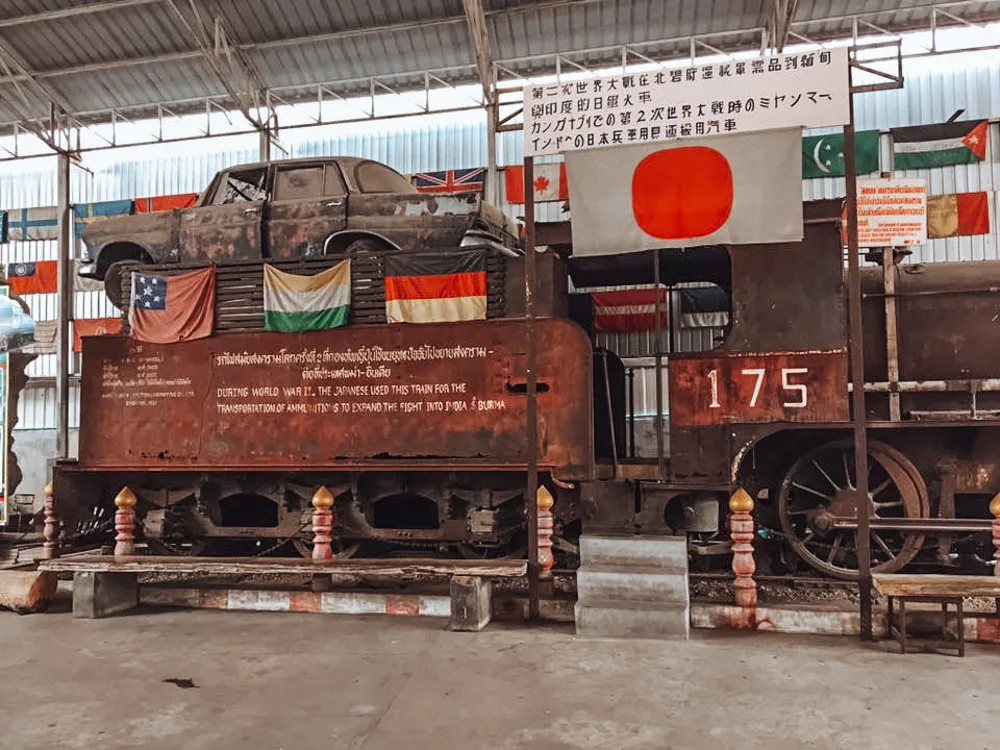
[[135, 54]]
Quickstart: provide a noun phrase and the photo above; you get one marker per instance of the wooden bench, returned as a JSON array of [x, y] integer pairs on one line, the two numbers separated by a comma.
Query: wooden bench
[[106, 585], [945, 590]]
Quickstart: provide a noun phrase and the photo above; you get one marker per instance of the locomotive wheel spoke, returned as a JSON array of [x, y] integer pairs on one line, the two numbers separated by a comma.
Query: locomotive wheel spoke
[[892, 504], [836, 487], [834, 548], [881, 543], [817, 493], [847, 471], [881, 487]]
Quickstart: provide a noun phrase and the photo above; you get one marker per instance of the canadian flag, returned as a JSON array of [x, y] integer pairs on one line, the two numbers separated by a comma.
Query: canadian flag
[[733, 189], [549, 183]]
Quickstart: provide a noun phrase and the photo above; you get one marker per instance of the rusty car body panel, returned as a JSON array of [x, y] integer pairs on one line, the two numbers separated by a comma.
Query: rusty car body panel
[[301, 207]]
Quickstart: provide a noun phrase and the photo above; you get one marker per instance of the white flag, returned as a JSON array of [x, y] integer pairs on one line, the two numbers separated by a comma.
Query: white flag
[[734, 189]]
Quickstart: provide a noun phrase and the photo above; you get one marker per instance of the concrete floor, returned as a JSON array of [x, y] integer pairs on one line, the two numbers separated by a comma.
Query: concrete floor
[[291, 681]]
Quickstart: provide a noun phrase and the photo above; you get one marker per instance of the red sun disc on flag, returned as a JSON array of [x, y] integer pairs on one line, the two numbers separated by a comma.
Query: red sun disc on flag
[[682, 193]]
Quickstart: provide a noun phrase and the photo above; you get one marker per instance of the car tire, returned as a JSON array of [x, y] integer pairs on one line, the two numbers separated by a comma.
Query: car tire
[[113, 281]]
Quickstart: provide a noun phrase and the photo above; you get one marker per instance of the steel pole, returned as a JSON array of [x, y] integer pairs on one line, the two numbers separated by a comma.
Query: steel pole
[[856, 347], [661, 460], [492, 174], [531, 350], [64, 305]]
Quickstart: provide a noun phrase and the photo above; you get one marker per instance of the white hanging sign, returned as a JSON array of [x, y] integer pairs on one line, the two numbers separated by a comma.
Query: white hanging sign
[[808, 89]]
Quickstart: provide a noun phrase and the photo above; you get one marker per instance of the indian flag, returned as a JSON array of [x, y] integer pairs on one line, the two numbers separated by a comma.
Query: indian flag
[[307, 303]]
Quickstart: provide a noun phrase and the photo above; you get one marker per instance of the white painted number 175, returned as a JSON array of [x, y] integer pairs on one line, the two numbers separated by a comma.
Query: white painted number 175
[[759, 373]]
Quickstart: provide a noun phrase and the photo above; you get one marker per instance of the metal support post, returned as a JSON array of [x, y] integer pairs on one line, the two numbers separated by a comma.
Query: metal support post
[[856, 348], [658, 353], [531, 348], [492, 173], [64, 305], [265, 145]]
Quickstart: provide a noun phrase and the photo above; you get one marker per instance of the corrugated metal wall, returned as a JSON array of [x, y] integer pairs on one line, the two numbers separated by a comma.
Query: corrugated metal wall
[[935, 89]]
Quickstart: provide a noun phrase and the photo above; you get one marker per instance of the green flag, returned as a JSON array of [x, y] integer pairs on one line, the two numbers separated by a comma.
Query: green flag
[[823, 155]]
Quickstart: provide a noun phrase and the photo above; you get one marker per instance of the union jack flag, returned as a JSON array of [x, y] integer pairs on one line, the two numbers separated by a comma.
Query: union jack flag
[[451, 181]]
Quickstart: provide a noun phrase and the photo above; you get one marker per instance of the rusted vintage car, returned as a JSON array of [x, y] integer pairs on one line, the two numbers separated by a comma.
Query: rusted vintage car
[[295, 208]]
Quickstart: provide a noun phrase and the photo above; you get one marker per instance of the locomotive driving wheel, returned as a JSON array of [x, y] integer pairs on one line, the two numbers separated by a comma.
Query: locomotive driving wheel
[[819, 491]]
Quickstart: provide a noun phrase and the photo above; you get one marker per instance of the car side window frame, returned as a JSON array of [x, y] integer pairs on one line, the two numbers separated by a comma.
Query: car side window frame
[[276, 171], [222, 182], [365, 163], [335, 166]]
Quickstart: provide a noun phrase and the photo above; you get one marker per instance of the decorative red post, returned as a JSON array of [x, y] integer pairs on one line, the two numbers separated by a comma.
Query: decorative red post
[[50, 549], [545, 527], [741, 532], [125, 522], [995, 510], [322, 520]]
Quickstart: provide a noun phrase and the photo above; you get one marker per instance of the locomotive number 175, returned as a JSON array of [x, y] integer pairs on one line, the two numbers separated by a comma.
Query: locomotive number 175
[[800, 401], [780, 387]]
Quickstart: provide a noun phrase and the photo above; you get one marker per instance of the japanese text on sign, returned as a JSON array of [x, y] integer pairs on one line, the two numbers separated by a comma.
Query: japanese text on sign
[[808, 89], [892, 213]]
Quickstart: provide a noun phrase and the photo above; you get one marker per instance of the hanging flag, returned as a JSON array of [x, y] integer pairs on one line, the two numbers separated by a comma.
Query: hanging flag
[[94, 327], [45, 338], [26, 224], [939, 145], [435, 288], [451, 181], [703, 307], [167, 309], [165, 203], [624, 311], [823, 155], [307, 303], [37, 277], [86, 213], [549, 183], [732, 189], [957, 215]]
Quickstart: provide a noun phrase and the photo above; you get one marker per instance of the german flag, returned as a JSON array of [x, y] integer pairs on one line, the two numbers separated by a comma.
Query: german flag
[[435, 288]]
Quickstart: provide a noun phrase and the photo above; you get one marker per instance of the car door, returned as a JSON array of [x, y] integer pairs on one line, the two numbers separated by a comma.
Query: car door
[[308, 204], [227, 226]]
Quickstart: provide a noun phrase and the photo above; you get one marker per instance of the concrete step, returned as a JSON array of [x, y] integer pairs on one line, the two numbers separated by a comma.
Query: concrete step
[[630, 584], [668, 553], [615, 619]]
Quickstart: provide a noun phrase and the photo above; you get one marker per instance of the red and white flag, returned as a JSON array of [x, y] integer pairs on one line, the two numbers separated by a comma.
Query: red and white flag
[[629, 310], [549, 183], [727, 190]]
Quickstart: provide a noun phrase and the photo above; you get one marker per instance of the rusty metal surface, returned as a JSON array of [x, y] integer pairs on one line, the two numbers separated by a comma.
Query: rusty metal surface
[[450, 393], [299, 228], [414, 222], [156, 233], [744, 388], [220, 233]]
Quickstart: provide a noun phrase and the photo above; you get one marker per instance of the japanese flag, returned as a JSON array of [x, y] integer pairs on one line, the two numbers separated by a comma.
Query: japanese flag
[[733, 189]]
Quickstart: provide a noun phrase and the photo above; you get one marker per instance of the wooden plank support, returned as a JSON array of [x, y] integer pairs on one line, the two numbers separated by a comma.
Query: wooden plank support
[[889, 273]]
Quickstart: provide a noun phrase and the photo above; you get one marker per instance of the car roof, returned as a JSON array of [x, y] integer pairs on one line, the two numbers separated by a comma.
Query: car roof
[[345, 161]]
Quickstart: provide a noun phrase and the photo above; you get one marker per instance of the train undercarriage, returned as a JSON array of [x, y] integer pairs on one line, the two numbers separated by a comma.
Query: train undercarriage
[[473, 515]]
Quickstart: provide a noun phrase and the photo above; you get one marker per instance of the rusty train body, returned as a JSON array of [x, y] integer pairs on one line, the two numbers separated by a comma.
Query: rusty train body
[[419, 430]]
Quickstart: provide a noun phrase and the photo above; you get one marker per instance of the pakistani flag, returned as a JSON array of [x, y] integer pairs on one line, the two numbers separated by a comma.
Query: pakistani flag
[[307, 303], [823, 155], [939, 145]]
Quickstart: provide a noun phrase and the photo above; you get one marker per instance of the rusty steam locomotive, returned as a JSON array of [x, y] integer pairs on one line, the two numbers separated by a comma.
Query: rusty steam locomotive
[[419, 429]]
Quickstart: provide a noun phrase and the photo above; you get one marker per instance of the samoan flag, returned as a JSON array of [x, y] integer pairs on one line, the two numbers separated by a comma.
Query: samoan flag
[[166, 309], [85, 213], [25, 224], [451, 181]]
